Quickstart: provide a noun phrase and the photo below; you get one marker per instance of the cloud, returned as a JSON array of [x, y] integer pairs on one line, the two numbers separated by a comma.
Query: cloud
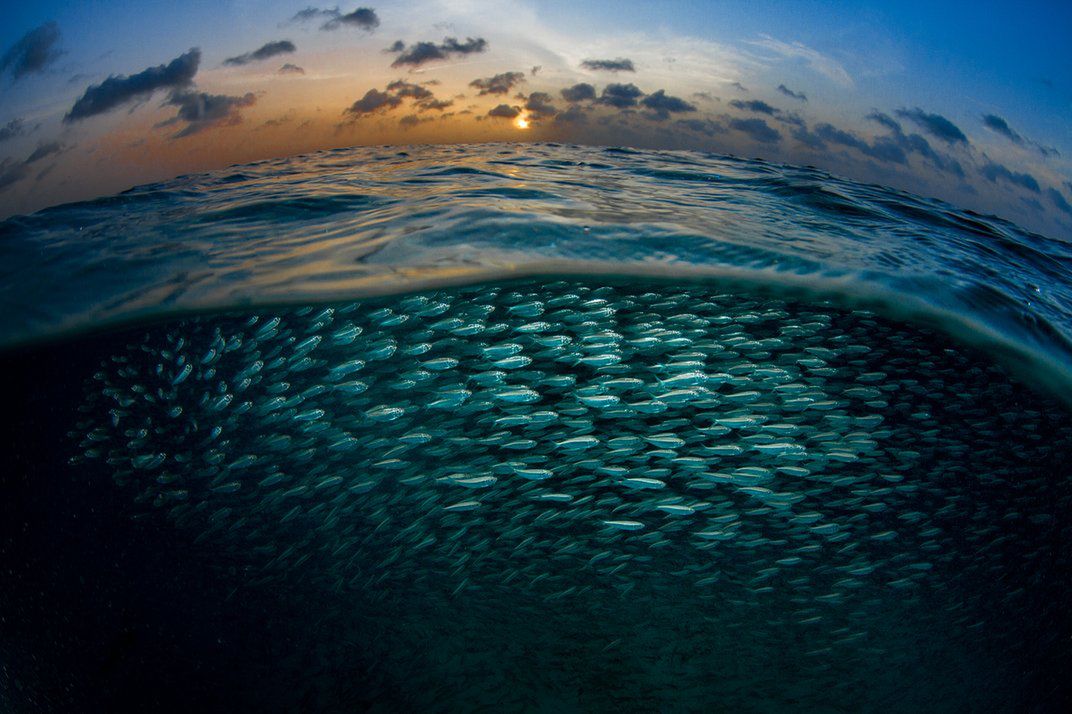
[[539, 106], [373, 101], [10, 130], [756, 129], [504, 111], [499, 84], [201, 110], [411, 120], [1059, 200], [790, 93], [913, 143], [44, 150], [579, 93], [662, 105], [392, 96], [999, 125], [363, 18], [423, 52], [935, 124], [755, 106], [882, 149], [815, 60], [408, 90], [572, 115], [270, 49], [994, 171], [33, 51], [739, 87], [289, 68], [615, 65], [620, 96], [118, 89], [10, 172], [707, 127], [885, 120], [434, 104]]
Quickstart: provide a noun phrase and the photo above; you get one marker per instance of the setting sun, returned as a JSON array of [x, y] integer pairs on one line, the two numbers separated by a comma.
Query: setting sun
[[521, 123]]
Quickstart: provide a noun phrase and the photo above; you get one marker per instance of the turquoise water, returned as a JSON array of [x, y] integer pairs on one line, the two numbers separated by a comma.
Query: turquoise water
[[533, 428]]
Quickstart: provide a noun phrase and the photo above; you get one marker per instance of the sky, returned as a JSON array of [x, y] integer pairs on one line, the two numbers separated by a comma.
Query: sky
[[970, 103]]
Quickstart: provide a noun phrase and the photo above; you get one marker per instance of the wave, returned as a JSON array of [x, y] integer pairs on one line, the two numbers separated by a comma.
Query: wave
[[345, 224]]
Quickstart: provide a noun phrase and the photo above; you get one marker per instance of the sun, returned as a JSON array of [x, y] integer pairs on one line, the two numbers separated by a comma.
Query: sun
[[522, 123]]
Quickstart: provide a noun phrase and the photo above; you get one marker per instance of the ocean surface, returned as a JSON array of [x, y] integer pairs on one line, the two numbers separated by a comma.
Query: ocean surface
[[533, 428]]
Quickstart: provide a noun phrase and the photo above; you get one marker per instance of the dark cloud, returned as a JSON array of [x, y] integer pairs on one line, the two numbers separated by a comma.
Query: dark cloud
[[539, 106], [411, 120], [201, 110], [994, 171], [885, 120], [435, 104], [499, 84], [790, 93], [579, 93], [266, 51], [572, 115], [999, 125], [739, 87], [808, 138], [11, 171], [707, 127], [393, 95], [44, 150], [535, 69], [662, 105], [882, 148], [363, 17], [422, 52], [312, 13], [935, 124], [10, 130], [914, 143], [620, 96], [118, 90], [408, 90], [33, 51], [289, 68], [615, 65], [757, 129], [396, 46], [504, 111], [277, 122], [373, 101], [755, 106], [1059, 200]]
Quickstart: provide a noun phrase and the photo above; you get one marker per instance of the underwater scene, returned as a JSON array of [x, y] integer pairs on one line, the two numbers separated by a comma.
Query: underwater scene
[[533, 428]]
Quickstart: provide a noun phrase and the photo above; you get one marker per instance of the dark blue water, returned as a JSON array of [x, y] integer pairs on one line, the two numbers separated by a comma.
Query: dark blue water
[[532, 428]]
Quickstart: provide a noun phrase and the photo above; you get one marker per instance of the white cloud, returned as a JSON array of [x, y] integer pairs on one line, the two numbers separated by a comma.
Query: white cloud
[[817, 61]]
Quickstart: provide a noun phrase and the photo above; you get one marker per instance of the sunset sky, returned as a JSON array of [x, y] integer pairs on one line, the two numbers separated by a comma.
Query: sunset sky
[[970, 103]]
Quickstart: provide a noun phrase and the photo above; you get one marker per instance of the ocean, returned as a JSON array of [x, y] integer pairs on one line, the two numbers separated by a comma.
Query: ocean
[[533, 427]]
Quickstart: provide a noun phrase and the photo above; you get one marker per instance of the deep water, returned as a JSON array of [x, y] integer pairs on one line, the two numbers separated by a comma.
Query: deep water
[[532, 429]]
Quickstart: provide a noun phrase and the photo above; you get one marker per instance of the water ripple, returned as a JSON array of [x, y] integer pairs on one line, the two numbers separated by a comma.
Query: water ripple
[[352, 222]]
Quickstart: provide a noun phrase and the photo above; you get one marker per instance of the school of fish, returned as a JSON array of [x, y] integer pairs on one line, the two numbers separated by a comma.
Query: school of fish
[[779, 491]]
